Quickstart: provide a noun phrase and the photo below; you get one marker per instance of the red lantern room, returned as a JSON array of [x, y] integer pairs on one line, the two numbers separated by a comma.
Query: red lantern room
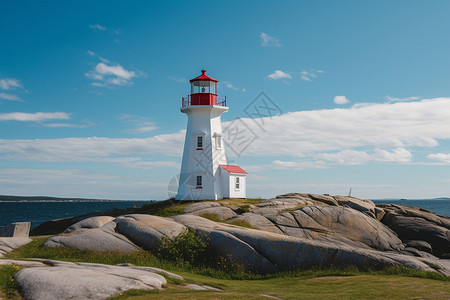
[[203, 92]]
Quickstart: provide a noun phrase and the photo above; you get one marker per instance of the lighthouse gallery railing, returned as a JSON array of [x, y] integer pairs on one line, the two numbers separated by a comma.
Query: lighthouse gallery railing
[[186, 101]]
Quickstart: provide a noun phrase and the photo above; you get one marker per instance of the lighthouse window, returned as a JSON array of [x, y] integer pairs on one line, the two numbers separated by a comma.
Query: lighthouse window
[[202, 87], [237, 183], [199, 142], [213, 88], [219, 142], [199, 181]]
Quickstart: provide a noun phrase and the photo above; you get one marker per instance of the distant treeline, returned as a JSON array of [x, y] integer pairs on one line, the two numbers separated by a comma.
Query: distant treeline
[[6, 198]]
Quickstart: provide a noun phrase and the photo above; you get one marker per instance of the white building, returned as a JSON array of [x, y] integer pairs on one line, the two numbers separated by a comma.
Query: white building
[[205, 173]]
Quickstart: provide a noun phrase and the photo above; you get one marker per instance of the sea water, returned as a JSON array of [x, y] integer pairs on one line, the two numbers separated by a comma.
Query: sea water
[[38, 212]]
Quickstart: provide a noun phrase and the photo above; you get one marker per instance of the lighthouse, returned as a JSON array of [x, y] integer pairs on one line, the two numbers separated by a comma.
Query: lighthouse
[[205, 173]]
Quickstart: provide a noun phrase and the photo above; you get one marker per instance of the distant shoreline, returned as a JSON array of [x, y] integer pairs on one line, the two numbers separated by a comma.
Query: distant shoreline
[[8, 198]]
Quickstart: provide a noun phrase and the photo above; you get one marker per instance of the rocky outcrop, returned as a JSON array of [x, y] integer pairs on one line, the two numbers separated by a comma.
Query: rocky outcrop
[[8, 244], [210, 208], [65, 280], [146, 230], [292, 231], [416, 224], [101, 238]]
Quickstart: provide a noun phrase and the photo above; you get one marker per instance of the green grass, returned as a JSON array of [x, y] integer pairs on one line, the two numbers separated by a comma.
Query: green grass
[[301, 287], [8, 286], [348, 283]]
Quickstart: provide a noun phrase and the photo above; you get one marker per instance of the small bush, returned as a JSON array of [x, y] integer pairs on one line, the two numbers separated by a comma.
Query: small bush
[[243, 209], [187, 248]]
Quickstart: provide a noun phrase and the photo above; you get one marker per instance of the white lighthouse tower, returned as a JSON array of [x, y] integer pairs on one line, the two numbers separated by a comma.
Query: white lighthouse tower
[[205, 173]]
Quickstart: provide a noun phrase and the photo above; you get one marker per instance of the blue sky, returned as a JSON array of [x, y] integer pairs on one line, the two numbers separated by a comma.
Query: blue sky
[[90, 93]]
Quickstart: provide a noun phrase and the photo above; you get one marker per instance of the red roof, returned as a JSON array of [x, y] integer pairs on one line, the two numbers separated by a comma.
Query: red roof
[[203, 77], [233, 169]]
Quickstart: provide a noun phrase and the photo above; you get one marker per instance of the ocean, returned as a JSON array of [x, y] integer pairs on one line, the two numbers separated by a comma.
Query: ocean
[[438, 206], [39, 212]]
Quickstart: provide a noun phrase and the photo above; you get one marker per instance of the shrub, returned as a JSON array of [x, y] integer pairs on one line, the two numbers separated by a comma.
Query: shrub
[[243, 209], [187, 248]]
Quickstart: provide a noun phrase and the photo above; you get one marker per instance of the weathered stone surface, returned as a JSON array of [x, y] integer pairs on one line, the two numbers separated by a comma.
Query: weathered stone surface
[[342, 222], [8, 244], [273, 207], [420, 245], [22, 263], [294, 233], [98, 239], [379, 213], [416, 228], [83, 281], [355, 203], [264, 252], [90, 223], [325, 199], [17, 229], [413, 223], [199, 206], [222, 212], [258, 221], [147, 230]]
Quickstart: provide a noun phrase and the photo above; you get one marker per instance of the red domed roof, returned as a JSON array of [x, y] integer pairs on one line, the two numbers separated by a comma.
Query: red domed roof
[[203, 77]]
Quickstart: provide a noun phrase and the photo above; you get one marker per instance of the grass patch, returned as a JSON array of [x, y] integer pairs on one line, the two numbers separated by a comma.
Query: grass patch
[[8, 286], [34, 249], [167, 208], [241, 223], [332, 283]]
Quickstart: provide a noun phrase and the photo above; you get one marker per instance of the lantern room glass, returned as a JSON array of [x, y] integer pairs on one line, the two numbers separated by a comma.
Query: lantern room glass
[[209, 87]]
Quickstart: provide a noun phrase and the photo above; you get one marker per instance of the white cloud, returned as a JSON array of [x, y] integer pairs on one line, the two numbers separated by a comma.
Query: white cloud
[[142, 125], [341, 100], [298, 165], [144, 129], [392, 99], [305, 76], [354, 157], [178, 79], [64, 125], [278, 74], [385, 126], [97, 27], [80, 183], [308, 76], [107, 74], [229, 85], [90, 149], [10, 97], [442, 157], [146, 165], [34, 117], [10, 83], [355, 135], [269, 41]]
